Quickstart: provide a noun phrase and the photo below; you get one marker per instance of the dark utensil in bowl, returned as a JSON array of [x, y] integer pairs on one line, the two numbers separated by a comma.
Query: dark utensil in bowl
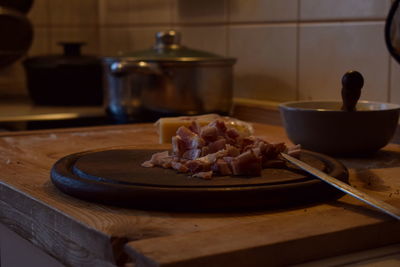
[[324, 126]]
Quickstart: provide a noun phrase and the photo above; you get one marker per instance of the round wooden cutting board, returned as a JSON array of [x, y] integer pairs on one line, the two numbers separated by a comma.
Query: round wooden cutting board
[[115, 176]]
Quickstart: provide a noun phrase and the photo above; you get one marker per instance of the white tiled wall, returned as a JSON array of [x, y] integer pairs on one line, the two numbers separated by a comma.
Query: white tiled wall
[[151, 12], [194, 11], [326, 51], [325, 10], [286, 49], [113, 12], [73, 12], [263, 10], [209, 38], [266, 67]]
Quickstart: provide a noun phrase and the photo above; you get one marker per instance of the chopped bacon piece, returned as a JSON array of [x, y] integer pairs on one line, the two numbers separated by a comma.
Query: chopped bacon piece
[[246, 163], [257, 152], [272, 151], [180, 167], [220, 125], [232, 151], [220, 149], [147, 164], [232, 133], [185, 134], [204, 175], [279, 147], [156, 159], [190, 139], [192, 154], [195, 127], [247, 143], [294, 151], [178, 146], [222, 167], [205, 151], [198, 166], [228, 159], [167, 162], [216, 145], [209, 133], [194, 166], [211, 158]]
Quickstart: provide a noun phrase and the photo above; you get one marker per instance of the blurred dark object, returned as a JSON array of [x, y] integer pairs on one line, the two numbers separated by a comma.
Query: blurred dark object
[[17, 35], [168, 79], [21, 5], [70, 79], [392, 31]]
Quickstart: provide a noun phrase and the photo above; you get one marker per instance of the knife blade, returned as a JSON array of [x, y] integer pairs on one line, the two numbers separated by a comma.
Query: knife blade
[[376, 203]]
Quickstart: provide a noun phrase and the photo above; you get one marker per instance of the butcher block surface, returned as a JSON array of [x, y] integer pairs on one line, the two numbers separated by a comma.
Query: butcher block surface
[[81, 233]]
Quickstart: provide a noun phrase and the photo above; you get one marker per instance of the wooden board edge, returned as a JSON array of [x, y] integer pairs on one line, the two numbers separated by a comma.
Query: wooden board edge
[[42, 232], [377, 255], [234, 247]]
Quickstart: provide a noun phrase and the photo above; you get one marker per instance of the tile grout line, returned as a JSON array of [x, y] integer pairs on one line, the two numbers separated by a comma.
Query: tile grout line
[[297, 95], [171, 13], [49, 27], [98, 37], [100, 14], [389, 85], [389, 74], [229, 23], [227, 28]]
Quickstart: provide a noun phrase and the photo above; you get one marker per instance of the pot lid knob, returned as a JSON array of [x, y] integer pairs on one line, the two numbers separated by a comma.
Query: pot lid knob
[[168, 39]]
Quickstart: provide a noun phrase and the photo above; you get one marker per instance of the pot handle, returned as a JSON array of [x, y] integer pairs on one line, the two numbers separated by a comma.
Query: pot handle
[[126, 67]]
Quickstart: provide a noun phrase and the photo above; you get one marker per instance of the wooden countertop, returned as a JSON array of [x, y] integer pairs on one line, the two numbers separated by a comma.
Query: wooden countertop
[[81, 233]]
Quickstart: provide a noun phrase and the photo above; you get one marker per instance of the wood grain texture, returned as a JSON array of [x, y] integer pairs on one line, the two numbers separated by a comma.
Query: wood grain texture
[[265, 242], [81, 233]]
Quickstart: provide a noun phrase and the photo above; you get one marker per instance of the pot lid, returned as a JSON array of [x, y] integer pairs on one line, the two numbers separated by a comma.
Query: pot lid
[[168, 48], [71, 56]]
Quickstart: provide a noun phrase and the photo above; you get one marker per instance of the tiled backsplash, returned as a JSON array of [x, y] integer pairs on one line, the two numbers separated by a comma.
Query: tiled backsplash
[[286, 49]]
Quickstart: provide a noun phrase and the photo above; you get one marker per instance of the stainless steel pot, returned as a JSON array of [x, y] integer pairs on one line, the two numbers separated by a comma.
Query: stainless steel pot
[[168, 79]]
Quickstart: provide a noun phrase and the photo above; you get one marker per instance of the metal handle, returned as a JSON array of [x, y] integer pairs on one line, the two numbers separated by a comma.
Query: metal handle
[[127, 67]]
